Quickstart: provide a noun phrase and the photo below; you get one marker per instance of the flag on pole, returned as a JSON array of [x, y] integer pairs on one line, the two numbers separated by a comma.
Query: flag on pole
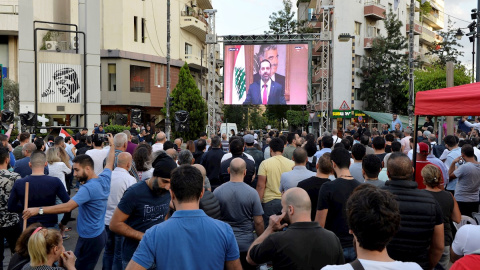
[[239, 75], [65, 134]]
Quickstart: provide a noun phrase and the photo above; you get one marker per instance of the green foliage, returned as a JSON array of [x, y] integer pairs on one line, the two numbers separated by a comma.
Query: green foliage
[[446, 50], [435, 77], [11, 95], [186, 96], [235, 114], [114, 129], [283, 22], [297, 118], [425, 8], [387, 61]]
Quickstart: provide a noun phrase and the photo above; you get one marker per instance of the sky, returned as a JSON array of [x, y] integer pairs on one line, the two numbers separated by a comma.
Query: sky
[[250, 17]]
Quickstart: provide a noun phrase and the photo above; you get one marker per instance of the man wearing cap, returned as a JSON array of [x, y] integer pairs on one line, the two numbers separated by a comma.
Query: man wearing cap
[[422, 153], [142, 206], [254, 152]]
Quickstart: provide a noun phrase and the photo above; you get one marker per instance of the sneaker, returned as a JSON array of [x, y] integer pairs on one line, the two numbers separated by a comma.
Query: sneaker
[[66, 237]]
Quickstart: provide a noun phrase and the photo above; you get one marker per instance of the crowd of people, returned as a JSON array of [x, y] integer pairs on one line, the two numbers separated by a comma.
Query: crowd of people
[[291, 201]]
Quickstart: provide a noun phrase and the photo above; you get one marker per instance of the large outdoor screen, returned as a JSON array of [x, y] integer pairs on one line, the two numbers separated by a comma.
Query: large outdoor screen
[[267, 74]]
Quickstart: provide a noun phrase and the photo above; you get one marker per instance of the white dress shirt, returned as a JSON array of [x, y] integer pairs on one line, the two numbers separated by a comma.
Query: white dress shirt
[[121, 180]]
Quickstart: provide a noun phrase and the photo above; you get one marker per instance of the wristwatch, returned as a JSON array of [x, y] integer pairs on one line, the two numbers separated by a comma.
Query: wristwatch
[[40, 211]]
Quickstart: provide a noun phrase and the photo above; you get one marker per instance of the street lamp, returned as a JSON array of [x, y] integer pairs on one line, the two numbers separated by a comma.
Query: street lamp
[[472, 35], [345, 37]]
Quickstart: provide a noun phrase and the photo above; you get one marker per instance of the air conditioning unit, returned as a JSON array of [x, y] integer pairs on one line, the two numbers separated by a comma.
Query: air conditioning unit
[[51, 45], [326, 35], [211, 39], [74, 42]]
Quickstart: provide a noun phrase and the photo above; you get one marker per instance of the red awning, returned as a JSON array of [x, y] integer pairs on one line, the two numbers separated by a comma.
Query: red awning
[[452, 101]]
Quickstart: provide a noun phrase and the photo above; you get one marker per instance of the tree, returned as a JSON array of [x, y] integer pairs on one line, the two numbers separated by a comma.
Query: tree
[[296, 119], [385, 71], [11, 95], [235, 114], [186, 96], [446, 50], [283, 22]]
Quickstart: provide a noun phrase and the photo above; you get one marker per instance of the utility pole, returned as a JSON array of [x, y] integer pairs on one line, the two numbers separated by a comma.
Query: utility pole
[[478, 41], [167, 103], [411, 41], [450, 78], [211, 41]]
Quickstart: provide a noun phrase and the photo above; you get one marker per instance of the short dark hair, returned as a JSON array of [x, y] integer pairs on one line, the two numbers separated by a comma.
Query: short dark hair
[[396, 146], [201, 145], [58, 140], [372, 165], [373, 216], [290, 137], [339, 145], [97, 140], [169, 144], [283, 138], [341, 157], [347, 144], [389, 137], [378, 143], [358, 151], [216, 141], [450, 140], [84, 161], [39, 143], [203, 134], [467, 150], [299, 155], [236, 147], [67, 139], [364, 139], [356, 135], [327, 141], [4, 154], [399, 166], [310, 147], [24, 136], [186, 182], [276, 145], [325, 164]]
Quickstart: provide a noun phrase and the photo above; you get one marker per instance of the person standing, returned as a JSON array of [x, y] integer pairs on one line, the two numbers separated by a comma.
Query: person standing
[[24, 138], [332, 200], [241, 208], [160, 140], [9, 223], [298, 173], [371, 167], [22, 166], [251, 150], [454, 152], [192, 239], [291, 145], [269, 174], [211, 161], [91, 199], [396, 121], [98, 153], [358, 153], [130, 145], [405, 141]]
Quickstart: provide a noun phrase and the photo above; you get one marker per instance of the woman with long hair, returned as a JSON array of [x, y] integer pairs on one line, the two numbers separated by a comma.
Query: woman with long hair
[[143, 161], [58, 165], [45, 248], [191, 146]]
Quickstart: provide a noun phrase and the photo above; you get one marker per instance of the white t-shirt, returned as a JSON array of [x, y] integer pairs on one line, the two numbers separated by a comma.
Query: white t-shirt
[[145, 175], [467, 240], [59, 169], [374, 265], [98, 156], [157, 147], [121, 180]]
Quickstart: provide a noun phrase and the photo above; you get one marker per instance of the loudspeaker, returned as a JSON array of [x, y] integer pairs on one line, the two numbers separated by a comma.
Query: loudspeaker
[[181, 121]]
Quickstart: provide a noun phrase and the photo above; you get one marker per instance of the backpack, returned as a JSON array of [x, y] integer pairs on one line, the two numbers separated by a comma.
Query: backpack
[[312, 166]]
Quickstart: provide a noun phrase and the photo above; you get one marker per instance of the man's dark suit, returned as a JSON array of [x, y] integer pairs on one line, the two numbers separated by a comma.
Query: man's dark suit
[[275, 97], [278, 79]]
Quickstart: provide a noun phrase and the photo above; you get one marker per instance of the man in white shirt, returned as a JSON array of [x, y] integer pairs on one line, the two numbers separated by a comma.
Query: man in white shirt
[[98, 153], [373, 227], [406, 140], [467, 241], [161, 139], [121, 181], [335, 138]]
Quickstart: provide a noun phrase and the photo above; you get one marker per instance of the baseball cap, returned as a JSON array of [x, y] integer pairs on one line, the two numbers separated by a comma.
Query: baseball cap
[[423, 147], [248, 138]]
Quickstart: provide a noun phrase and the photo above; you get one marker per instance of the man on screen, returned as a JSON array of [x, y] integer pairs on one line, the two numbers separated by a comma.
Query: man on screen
[[270, 53], [265, 91]]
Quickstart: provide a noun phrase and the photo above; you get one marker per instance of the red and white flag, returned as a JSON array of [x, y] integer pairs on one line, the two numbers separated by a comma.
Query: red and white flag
[[65, 134]]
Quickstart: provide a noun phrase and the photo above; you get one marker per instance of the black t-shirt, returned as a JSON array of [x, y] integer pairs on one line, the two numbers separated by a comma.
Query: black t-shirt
[[333, 196], [312, 187], [426, 124], [381, 156], [303, 245], [388, 148], [445, 200]]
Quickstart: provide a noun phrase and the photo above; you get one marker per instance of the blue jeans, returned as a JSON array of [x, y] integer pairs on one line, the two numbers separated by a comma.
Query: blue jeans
[[112, 257], [88, 251], [349, 254], [272, 207]]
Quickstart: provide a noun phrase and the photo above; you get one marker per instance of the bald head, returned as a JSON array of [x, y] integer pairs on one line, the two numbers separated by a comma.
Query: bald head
[[178, 142], [237, 167], [300, 156], [399, 167], [124, 160], [161, 137], [172, 153], [201, 169], [28, 149], [299, 199]]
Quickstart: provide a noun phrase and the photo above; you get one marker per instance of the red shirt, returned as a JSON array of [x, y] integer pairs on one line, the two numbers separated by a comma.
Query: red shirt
[[466, 263]]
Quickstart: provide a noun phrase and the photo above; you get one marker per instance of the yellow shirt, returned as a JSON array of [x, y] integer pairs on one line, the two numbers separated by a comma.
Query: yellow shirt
[[273, 168]]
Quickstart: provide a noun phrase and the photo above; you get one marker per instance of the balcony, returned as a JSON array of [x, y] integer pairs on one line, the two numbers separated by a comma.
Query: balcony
[[367, 43], [195, 61], [319, 45], [204, 4], [374, 10], [320, 73], [417, 29], [194, 23], [8, 19], [434, 20], [427, 36]]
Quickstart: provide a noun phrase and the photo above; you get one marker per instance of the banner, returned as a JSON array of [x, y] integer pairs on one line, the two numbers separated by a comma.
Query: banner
[[60, 83]]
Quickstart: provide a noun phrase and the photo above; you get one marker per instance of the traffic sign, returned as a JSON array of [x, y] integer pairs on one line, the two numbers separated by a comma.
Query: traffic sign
[[312, 115], [344, 106], [360, 118]]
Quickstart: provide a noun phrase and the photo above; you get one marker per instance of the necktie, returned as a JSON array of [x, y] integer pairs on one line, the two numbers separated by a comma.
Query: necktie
[[264, 94]]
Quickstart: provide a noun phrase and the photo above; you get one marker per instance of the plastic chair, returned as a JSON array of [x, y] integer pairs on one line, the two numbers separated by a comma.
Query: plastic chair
[[465, 220], [476, 216]]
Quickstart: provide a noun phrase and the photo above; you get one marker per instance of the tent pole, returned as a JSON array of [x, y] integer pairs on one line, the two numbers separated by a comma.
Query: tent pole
[[414, 154]]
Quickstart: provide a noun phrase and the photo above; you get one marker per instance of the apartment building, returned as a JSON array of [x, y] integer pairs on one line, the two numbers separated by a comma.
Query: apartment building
[[332, 59]]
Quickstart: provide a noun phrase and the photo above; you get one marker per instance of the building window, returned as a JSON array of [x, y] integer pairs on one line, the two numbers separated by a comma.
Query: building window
[[357, 94], [112, 77], [139, 79], [188, 49], [159, 75], [358, 27], [135, 29], [358, 59], [143, 30]]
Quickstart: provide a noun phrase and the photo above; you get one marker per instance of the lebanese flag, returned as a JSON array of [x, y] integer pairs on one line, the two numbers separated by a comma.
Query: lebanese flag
[[239, 76], [65, 134]]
